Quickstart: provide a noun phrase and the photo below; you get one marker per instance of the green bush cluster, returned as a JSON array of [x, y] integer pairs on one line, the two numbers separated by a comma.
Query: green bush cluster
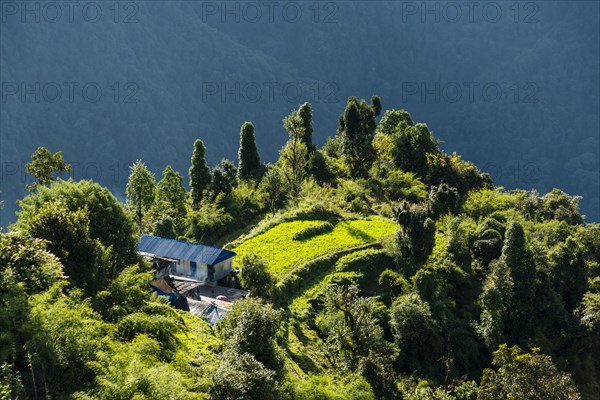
[[313, 231]]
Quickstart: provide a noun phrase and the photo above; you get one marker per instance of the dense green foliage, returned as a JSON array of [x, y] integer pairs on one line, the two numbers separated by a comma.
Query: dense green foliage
[[109, 222], [393, 270], [357, 128], [170, 198], [255, 276], [44, 165], [525, 376]]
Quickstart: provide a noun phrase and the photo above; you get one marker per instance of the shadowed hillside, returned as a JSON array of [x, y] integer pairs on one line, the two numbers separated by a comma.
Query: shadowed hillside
[[495, 89]]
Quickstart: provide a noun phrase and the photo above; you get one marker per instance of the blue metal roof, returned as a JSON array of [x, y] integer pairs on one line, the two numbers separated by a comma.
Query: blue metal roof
[[180, 250]]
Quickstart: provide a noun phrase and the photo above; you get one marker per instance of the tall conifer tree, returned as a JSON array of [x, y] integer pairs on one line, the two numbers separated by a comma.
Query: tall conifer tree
[[249, 160], [199, 173]]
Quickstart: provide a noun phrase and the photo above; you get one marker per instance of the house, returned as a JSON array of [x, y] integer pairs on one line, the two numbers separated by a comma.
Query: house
[[198, 262]]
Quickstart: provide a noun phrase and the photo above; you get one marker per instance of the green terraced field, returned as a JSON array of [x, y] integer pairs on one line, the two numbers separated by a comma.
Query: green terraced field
[[282, 253]]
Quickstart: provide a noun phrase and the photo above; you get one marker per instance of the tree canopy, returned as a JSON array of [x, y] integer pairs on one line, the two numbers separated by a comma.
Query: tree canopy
[[45, 166]]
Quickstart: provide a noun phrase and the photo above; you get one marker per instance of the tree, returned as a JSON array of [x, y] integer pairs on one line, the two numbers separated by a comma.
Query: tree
[[249, 161], [26, 268], [293, 157], [108, 221], [416, 237], [414, 330], [495, 302], [520, 375], [140, 191], [392, 283], [68, 236], [357, 129], [589, 311], [570, 272], [355, 339], [273, 187], [199, 173], [44, 166], [489, 241], [250, 327], [376, 105], [208, 222], [559, 205], [241, 376], [26, 261], [229, 172], [391, 119], [305, 114], [170, 197], [224, 178], [443, 199], [165, 228], [318, 169], [519, 260], [520, 263], [413, 144], [255, 276]]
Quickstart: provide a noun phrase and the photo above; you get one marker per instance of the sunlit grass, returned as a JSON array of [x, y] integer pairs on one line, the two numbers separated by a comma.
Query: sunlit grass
[[281, 252]]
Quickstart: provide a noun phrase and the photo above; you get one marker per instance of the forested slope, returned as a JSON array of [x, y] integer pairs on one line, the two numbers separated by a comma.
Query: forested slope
[[377, 266]]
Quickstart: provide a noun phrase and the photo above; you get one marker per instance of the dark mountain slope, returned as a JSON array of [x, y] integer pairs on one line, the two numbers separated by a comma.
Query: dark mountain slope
[[185, 73]]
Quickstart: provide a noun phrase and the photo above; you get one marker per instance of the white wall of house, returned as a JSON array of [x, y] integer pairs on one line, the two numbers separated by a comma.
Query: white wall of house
[[184, 268], [223, 269]]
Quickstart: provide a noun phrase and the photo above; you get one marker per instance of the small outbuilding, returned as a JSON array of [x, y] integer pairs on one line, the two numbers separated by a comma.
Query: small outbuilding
[[193, 261]]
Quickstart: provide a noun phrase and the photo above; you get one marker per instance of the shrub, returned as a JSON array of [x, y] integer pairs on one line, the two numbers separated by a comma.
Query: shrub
[[162, 328], [206, 223], [250, 327], [393, 283], [255, 276], [66, 336], [165, 227], [26, 261], [404, 185], [313, 231], [323, 387], [11, 386], [125, 294], [241, 376]]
